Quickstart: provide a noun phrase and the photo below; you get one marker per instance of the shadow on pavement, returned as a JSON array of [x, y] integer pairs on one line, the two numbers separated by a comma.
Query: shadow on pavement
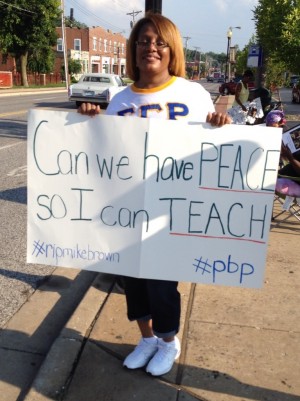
[[68, 106], [100, 371], [22, 353], [13, 129], [97, 369], [18, 195]]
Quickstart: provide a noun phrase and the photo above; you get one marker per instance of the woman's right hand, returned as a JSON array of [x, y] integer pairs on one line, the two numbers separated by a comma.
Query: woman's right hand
[[89, 109]]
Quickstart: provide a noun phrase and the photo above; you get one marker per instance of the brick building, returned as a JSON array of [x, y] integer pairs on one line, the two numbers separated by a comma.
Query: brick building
[[97, 49]]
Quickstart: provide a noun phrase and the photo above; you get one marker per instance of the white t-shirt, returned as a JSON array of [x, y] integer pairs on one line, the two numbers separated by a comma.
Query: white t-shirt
[[177, 99]]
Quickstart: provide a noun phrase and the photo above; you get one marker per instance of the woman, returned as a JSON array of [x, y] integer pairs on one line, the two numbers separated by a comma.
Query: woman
[[288, 181], [242, 90], [275, 118], [155, 62]]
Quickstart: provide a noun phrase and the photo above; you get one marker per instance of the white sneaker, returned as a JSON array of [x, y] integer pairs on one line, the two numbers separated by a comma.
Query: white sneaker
[[141, 355], [164, 358]]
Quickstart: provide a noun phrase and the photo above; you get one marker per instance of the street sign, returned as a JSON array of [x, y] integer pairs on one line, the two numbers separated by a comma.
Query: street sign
[[254, 56]]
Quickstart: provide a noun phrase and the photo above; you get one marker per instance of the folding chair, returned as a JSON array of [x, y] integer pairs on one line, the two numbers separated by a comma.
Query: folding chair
[[287, 195]]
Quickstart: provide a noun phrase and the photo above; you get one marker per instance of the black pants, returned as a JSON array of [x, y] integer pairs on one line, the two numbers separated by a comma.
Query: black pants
[[158, 300]]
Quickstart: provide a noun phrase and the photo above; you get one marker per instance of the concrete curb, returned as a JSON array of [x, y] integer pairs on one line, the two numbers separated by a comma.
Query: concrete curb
[[57, 368], [30, 333], [30, 91]]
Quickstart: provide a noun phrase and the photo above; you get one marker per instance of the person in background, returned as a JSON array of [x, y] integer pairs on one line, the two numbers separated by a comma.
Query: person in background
[[275, 118], [288, 181], [242, 90], [155, 62], [265, 96], [292, 168]]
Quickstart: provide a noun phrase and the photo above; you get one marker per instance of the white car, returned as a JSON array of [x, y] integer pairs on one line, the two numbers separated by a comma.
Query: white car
[[96, 88]]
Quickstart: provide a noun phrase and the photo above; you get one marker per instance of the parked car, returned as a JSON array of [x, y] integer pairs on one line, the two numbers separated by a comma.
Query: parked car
[[215, 77], [96, 88], [228, 88], [296, 93]]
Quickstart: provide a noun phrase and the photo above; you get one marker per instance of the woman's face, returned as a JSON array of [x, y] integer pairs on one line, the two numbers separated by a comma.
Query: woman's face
[[149, 59]]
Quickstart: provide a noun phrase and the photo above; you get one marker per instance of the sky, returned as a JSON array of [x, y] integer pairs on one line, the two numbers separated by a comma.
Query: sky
[[204, 22]]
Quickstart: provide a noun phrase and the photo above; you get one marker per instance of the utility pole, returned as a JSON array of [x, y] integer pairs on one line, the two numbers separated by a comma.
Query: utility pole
[[154, 6], [187, 38], [133, 14], [195, 59], [65, 46]]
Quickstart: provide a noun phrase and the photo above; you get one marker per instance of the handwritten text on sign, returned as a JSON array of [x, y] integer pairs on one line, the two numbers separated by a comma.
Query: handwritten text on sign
[[150, 198]]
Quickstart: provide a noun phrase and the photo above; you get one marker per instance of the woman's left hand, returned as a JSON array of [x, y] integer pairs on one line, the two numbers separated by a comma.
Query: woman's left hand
[[218, 119]]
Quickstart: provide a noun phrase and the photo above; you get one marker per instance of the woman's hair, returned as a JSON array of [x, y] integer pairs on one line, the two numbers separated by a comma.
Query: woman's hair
[[167, 32], [275, 117]]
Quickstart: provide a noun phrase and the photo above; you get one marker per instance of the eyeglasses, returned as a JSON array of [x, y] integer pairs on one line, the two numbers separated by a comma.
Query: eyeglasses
[[146, 43]]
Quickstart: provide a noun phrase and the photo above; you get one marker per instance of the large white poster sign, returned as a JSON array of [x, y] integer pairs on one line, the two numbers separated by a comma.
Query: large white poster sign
[[151, 198]]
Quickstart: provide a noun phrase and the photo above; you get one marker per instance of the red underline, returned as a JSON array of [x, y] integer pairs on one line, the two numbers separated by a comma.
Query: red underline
[[215, 237], [237, 190]]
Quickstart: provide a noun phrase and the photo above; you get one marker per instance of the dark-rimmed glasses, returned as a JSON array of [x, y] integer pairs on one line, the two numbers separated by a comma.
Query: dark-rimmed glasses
[[159, 45]]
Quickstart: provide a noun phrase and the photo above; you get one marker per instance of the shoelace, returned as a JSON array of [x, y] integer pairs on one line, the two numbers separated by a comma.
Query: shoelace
[[163, 351], [144, 347]]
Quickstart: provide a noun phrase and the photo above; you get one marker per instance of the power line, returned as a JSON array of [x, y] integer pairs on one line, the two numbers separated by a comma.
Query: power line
[[89, 13], [119, 4], [18, 8]]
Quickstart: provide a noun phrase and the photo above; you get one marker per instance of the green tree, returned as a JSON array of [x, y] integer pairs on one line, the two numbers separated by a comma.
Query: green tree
[[41, 60], [74, 67], [73, 23], [274, 72], [217, 59], [268, 16], [278, 32], [291, 37], [28, 27]]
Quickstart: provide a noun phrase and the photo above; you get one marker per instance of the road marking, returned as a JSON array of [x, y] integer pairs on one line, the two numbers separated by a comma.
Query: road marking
[[12, 113], [13, 136], [18, 172], [10, 146], [45, 98]]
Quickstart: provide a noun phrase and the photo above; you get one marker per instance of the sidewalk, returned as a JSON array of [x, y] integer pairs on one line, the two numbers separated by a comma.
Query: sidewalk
[[237, 344], [224, 103]]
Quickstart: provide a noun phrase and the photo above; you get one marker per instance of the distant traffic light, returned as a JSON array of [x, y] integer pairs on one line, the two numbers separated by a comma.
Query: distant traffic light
[[154, 6]]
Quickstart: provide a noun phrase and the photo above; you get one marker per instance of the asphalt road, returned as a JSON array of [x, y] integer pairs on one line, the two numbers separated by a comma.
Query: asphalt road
[[18, 279]]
